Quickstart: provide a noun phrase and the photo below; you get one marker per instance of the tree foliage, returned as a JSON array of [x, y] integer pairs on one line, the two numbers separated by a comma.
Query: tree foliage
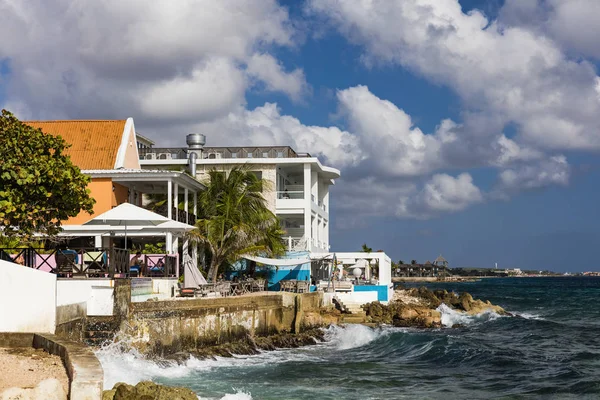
[[366, 249], [39, 185], [233, 219]]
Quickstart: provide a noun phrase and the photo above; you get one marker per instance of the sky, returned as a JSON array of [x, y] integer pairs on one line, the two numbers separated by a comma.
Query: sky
[[467, 128]]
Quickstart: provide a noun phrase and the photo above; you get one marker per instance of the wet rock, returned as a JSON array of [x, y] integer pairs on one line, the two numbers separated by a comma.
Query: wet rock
[[417, 307], [147, 390]]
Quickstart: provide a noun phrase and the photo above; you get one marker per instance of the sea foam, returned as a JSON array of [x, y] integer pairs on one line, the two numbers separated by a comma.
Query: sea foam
[[452, 317]]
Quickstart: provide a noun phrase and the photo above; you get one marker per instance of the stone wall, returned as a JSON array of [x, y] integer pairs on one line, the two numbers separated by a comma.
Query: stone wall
[[166, 327]]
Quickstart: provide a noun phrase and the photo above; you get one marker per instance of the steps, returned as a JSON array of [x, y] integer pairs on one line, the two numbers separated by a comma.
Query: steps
[[100, 329], [352, 313]]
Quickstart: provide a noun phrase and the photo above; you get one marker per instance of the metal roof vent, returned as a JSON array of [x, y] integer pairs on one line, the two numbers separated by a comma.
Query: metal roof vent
[[195, 141]]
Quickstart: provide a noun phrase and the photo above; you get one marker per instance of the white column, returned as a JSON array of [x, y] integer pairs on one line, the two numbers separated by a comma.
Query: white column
[[307, 208], [170, 199], [169, 243], [176, 201], [196, 203], [185, 204]]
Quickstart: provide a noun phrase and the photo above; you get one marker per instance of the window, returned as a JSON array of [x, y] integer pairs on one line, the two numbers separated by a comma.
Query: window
[[234, 155], [280, 154], [265, 154], [249, 155]]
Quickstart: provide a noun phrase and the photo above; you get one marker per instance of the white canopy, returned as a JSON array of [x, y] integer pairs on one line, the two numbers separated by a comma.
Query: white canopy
[[170, 226], [127, 215], [278, 261]]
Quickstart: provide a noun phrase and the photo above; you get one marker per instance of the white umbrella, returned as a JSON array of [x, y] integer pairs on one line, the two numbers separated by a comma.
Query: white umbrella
[[170, 226], [128, 215]]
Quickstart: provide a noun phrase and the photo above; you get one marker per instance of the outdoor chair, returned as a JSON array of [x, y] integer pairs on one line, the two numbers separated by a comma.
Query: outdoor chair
[[66, 262], [258, 285], [302, 287]]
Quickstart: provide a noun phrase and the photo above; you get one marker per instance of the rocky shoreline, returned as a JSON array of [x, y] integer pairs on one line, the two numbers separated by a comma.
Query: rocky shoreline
[[418, 307], [415, 308]]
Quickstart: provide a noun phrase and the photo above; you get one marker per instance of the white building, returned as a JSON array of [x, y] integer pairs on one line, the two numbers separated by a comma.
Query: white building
[[299, 189]]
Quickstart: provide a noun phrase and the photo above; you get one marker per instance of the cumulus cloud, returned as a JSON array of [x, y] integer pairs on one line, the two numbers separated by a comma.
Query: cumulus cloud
[[157, 61], [551, 171], [441, 194], [265, 125], [504, 74], [268, 70], [573, 24]]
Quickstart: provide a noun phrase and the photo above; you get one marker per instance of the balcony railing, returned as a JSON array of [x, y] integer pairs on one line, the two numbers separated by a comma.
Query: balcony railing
[[181, 214], [295, 194], [295, 243], [89, 262]]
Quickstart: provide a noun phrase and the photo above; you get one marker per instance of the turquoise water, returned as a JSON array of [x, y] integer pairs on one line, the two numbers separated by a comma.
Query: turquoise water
[[550, 349]]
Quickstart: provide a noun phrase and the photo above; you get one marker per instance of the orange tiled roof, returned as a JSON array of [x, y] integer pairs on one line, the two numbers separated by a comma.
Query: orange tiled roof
[[94, 144]]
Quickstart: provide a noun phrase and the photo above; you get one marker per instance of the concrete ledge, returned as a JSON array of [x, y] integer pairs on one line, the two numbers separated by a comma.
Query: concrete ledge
[[13, 339], [85, 372]]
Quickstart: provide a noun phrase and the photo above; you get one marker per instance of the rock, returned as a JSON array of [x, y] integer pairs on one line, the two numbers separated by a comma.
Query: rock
[[417, 307], [147, 390]]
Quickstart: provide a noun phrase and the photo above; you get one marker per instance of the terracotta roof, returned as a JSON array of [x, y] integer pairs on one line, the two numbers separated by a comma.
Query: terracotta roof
[[94, 143]]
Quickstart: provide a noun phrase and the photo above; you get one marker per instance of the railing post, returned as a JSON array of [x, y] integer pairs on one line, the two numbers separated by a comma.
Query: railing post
[[289, 243]]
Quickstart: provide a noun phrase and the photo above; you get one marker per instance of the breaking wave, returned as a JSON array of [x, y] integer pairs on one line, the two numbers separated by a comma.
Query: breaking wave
[[452, 317]]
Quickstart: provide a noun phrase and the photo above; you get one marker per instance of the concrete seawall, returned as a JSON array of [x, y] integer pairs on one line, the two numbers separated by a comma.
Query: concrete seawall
[[167, 327]]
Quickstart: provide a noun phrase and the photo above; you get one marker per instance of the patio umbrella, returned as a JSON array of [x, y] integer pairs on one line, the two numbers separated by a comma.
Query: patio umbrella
[[128, 215]]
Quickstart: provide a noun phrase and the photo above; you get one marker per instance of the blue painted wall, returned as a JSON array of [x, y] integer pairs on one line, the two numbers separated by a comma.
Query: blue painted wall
[[382, 290]]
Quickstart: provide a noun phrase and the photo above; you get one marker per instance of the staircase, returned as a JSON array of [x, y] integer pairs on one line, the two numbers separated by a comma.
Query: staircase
[[352, 313], [100, 329]]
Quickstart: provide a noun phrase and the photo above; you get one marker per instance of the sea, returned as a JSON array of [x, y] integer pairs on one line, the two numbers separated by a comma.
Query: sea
[[548, 349]]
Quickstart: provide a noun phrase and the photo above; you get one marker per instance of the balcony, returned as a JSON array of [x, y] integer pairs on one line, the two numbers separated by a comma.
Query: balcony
[[176, 213]]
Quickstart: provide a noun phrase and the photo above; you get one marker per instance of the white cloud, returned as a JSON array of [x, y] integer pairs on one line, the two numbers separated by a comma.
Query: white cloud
[[551, 171], [504, 74], [441, 194], [157, 60], [211, 89], [266, 125], [267, 69], [387, 133], [573, 23]]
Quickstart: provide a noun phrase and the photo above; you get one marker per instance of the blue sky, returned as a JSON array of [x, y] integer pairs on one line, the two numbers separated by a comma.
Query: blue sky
[[467, 128]]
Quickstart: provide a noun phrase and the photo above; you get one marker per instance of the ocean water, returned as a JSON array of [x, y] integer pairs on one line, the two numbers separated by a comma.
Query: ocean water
[[550, 349]]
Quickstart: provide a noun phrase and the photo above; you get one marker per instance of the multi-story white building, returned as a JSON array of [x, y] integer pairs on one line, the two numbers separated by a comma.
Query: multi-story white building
[[299, 184]]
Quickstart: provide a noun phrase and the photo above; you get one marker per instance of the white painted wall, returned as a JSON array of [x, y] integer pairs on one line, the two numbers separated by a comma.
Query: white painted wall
[[72, 291], [350, 297], [27, 299], [101, 301], [164, 285]]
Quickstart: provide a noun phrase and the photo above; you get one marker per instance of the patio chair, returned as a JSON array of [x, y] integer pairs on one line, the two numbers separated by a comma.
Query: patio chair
[[66, 262], [258, 285], [302, 287]]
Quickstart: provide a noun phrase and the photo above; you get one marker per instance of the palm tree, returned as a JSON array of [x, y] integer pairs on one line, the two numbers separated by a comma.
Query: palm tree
[[366, 249], [233, 219]]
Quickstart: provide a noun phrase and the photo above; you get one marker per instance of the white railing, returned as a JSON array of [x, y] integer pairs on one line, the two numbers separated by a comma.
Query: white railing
[[290, 194], [296, 244]]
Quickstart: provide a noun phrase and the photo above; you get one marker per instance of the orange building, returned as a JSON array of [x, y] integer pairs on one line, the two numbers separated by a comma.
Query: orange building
[[107, 151]]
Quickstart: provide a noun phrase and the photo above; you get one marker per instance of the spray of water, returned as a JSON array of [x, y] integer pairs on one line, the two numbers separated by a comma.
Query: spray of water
[[452, 317]]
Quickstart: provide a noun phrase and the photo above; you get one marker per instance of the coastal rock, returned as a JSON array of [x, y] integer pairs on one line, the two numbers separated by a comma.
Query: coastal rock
[[403, 315], [417, 307], [147, 390]]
